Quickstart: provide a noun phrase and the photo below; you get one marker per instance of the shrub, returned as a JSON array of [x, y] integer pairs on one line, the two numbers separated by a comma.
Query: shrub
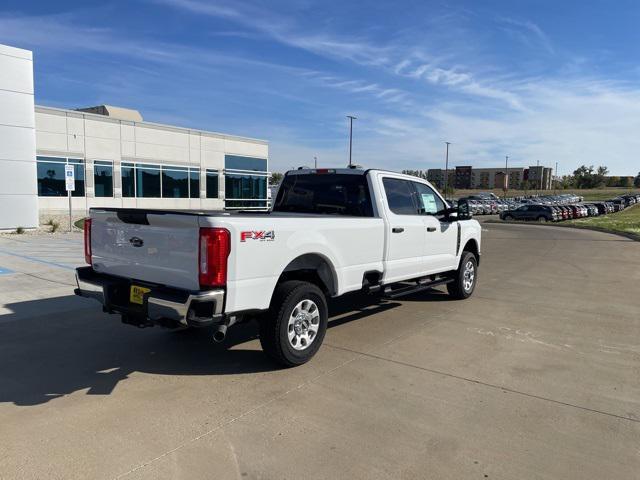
[[20, 230], [53, 224]]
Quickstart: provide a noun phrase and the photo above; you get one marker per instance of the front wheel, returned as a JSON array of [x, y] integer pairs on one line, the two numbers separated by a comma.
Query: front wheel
[[465, 278], [508, 218], [542, 219], [293, 329]]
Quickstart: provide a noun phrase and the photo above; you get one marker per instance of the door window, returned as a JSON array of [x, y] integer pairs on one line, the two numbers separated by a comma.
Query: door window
[[400, 195], [428, 201]]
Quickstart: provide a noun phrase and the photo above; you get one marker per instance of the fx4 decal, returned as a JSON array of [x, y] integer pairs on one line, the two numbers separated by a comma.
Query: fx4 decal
[[261, 235]]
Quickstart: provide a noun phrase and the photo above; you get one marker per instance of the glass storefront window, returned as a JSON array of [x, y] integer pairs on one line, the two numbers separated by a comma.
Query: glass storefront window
[[50, 172], [103, 178], [245, 190], [128, 180], [194, 183], [212, 183], [175, 182], [236, 162], [147, 181]]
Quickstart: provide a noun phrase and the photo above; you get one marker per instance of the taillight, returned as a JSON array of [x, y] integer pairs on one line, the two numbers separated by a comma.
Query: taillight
[[87, 241], [215, 246]]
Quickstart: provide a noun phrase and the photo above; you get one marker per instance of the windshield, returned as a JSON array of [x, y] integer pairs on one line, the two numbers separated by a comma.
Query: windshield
[[337, 194]]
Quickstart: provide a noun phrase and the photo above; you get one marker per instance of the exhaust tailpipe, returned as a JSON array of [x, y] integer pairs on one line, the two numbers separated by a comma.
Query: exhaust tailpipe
[[220, 334]]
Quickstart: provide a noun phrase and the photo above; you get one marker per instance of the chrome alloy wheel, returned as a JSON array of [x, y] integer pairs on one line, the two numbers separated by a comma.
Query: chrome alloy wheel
[[468, 276], [303, 324]]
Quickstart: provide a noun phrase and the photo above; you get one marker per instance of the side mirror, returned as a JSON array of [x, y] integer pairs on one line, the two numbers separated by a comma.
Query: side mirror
[[463, 211]]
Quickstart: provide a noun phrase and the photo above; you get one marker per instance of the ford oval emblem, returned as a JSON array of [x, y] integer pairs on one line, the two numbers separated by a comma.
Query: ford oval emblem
[[136, 241]]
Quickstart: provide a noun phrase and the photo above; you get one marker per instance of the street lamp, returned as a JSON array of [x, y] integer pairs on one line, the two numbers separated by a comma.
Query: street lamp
[[446, 171], [351, 119], [315, 161], [506, 179]]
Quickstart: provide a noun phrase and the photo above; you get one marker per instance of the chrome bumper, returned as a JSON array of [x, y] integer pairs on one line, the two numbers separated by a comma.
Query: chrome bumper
[[179, 306]]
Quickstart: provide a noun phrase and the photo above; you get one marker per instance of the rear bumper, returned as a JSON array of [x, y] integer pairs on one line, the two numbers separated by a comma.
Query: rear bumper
[[162, 305]]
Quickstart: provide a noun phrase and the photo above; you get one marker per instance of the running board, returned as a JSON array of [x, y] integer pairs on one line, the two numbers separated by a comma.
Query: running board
[[399, 292]]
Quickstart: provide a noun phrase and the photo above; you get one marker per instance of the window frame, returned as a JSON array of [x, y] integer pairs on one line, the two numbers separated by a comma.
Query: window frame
[[213, 172], [76, 161], [148, 167], [412, 196], [104, 163], [171, 168], [418, 198]]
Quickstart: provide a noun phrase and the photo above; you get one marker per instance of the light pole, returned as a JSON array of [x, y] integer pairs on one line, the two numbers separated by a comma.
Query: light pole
[[446, 171], [506, 176], [351, 119], [555, 184], [315, 161], [539, 186]]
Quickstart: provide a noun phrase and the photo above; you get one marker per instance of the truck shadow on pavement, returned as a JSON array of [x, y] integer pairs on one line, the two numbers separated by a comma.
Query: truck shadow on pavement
[[53, 355]]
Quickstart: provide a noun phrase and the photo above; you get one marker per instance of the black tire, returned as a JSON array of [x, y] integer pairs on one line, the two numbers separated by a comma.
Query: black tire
[[274, 325], [542, 219], [508, 218], [457, 288]]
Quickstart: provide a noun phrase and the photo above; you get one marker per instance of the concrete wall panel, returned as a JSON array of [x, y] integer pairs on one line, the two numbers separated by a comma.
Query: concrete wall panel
[[16, 109], [51, 141], [54, 122], [19, 179], [16, 75], [18, 191], [17, 143]]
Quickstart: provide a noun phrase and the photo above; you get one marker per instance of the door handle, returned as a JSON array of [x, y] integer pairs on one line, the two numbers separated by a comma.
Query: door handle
[[397, 229], [431, 229]]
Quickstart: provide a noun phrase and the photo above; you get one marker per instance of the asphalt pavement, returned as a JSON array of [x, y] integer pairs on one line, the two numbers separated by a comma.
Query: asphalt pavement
[[536, 376]]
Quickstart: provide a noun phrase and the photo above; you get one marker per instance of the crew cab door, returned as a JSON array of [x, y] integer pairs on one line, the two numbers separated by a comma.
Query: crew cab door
[[405, 231], [441, 242]]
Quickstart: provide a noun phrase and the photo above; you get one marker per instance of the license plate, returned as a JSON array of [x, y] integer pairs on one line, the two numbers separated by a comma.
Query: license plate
[[137, 294]]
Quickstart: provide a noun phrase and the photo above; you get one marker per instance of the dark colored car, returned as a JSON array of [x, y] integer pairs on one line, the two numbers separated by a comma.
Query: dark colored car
[[593, 210], [602, 208], [538, 213]]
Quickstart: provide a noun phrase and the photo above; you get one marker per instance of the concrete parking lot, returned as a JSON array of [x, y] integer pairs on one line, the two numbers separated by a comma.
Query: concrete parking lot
[[536, 376]]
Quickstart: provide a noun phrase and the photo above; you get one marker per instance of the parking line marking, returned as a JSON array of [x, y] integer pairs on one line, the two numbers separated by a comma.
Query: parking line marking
[[37, 260]]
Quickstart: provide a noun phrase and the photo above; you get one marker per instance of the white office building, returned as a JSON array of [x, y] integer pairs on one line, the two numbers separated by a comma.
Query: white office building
[[119, 160]]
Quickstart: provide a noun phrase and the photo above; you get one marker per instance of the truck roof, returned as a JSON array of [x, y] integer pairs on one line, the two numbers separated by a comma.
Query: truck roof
[[349, 171]]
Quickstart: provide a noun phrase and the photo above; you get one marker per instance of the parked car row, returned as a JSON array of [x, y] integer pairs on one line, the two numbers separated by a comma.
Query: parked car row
[[558, 212]]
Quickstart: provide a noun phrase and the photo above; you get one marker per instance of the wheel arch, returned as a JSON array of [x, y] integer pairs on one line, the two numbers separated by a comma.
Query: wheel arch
[[314, 268], [472, 246]]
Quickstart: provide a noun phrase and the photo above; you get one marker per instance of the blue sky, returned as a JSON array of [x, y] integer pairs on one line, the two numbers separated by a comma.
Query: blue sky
[[536, 80]]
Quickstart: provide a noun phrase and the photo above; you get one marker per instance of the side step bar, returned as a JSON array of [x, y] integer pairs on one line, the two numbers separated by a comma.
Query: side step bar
[[420, 286]]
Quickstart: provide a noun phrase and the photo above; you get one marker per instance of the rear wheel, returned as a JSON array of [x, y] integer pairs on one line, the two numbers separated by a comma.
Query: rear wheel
[[294, 327], [542, 219], [508, 218], [466, 277]]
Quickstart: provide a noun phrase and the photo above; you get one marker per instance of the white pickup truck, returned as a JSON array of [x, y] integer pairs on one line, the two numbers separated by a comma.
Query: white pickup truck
[[329, 232]]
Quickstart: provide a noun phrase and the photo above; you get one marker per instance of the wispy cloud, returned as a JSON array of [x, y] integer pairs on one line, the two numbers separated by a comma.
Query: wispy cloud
[[527, 32], [392, 58], [284, 30]]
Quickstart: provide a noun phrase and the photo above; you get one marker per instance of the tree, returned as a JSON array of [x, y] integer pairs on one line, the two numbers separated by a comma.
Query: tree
[[589, 177], [416, 173], [276, 178], [613, 181], [625, 182], [636, 181]]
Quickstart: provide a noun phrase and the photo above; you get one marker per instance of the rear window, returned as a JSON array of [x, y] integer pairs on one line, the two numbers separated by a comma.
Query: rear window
[[336, 194]]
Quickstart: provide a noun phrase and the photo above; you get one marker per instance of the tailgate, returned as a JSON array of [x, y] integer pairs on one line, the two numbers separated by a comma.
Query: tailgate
[[156, 247]]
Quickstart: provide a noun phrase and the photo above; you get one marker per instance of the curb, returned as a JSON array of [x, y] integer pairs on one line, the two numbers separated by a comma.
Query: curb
[[630, 236]]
